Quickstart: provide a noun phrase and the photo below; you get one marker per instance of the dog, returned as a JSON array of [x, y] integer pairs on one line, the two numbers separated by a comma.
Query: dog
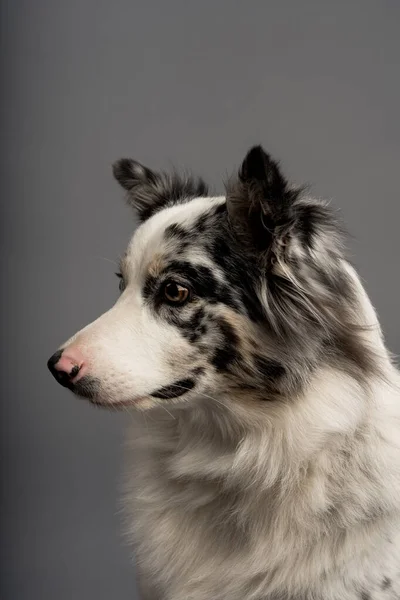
[[263, 462]]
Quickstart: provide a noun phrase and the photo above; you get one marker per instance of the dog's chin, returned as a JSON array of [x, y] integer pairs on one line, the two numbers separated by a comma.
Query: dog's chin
[[90, 388], [119, 404], [87, 387]]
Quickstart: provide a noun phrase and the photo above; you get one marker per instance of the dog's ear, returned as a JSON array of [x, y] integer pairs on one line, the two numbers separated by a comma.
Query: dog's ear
[[129, 173], [260, 203], [149, 191], [140, 183]]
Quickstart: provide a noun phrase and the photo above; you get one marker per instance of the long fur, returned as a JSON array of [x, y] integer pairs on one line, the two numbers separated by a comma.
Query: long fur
[[264, 451]]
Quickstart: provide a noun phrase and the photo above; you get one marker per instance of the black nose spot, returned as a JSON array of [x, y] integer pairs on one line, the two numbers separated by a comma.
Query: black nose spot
[[74, 372], [60, 376]]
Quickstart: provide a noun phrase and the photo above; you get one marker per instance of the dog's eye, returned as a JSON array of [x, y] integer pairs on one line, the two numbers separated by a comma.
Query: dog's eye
[[121, 282], [175, 293]]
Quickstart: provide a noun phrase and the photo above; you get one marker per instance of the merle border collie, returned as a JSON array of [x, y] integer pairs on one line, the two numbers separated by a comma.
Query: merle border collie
[[264, 454]]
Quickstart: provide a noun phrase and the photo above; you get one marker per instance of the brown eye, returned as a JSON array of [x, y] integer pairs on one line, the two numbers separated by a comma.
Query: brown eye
[[175, 293]]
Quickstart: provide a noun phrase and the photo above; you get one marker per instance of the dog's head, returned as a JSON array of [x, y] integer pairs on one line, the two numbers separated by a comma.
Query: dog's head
[[220, 296]]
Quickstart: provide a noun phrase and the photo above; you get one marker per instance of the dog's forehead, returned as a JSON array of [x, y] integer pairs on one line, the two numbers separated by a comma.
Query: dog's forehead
[[150, 242]]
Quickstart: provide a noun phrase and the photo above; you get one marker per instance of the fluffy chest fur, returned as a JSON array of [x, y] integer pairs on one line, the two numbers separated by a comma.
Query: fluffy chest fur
[[265, 446], [291, 511]]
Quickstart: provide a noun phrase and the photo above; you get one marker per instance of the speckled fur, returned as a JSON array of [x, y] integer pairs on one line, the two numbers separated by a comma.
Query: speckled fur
[[277, 475]]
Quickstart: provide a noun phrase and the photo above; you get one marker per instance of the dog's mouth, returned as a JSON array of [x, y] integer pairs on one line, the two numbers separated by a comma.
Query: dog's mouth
[[174, 390], [90, 388]]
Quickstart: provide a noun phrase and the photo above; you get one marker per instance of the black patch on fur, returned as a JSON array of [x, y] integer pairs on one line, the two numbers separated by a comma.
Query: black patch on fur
[[198, 371], [240, 270], [201, 223], [269, 368], [221, 253], [150, 286], [193, 329], [365, 596], [345, 344], [227, 351], [220, 209], [175, 390], [386, 583], [176, 231]]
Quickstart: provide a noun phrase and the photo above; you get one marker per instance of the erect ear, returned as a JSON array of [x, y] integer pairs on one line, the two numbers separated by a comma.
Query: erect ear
[[260, 203], [149, 191]]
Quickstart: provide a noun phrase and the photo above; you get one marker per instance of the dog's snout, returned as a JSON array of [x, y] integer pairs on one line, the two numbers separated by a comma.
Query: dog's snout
[[66, 366]]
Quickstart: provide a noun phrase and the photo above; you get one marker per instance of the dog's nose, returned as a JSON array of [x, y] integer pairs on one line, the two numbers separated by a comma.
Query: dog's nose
[[66, 366]]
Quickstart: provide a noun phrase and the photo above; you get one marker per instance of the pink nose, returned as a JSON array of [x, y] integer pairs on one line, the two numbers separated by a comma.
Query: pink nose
[[67, 366]]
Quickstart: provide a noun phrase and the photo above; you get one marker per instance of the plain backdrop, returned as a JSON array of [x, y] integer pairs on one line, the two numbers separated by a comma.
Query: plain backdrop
[[167, 82]]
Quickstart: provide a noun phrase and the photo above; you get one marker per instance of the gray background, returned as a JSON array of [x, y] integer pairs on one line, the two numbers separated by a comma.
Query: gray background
[[193, 83]]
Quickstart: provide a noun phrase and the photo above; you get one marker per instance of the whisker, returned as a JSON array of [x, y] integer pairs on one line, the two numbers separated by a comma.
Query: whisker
[[182, 387], [107, 259], [168, 411], [146, 423], [127, 411]]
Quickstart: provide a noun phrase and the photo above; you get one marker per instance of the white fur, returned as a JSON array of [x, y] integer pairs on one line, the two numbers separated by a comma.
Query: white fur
[[271, 538], [122, 347], [231, 499]]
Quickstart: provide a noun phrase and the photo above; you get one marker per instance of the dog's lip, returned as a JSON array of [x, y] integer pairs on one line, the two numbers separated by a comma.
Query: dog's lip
[[163, 393], [119, 404]]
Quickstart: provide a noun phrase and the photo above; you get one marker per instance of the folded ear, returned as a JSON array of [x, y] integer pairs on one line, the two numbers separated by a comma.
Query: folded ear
[[130, 173], [260, 203], [149, 191], [139, 183]]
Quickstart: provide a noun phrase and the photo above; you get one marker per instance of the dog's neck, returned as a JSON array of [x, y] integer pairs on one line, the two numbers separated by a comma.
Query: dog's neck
[[273, 441]]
